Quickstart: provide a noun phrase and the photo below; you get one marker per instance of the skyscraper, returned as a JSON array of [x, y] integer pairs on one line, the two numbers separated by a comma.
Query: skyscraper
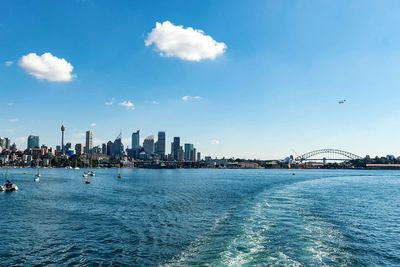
[[188, 151], [135, 144], [148, 145], [179, 154], [175, 147], [104, 149], [109, 148], [33, 142], [117, 149], [193, 155], [78, 149], [89, 141], [160, 146]]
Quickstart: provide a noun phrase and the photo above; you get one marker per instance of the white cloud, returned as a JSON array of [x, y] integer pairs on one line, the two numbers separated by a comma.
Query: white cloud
[[190, 98], [155, 102], [184, 43], [111, 102], [9, 63], [127, 104], [13, 120], [215, 142], [10, 104], [93, 124], [47, 67]]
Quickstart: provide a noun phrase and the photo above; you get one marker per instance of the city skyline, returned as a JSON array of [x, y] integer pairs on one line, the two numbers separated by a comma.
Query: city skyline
[[257, 88]]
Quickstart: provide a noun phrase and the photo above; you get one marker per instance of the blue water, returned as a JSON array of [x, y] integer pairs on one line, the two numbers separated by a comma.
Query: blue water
[[202, 217]]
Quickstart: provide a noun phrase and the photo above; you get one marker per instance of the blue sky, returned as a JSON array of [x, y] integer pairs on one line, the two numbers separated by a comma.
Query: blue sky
[[274, 87]]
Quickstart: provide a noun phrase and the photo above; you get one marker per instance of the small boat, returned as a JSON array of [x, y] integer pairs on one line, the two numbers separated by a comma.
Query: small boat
[[1, 188], [76, 168], [10, 187], [85, 174], [91, 173], [119, 173], [37, 175]]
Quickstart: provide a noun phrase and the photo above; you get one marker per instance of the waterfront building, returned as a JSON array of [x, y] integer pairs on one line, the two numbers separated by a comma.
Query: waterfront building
[[148, 145], [44, 150], [89, 141], [188, 151], [33, 142], [160, 145], [36, 153], [198, 156], [135, 144], [78, 149]]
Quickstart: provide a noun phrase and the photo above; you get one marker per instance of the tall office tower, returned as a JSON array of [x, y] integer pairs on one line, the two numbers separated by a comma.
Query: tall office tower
[[198, 156], [135, 144], [7, 143], [78, 149], [193, 155], [33, 142], [104, 149], [188, 151], [109, 148], [148, 145], [2, 143], [179, 154], [160, 147], [62, 139], [175, 147], [117, 149], [89, 141]]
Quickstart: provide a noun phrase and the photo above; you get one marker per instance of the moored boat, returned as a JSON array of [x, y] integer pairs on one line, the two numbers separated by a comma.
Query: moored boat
[[10, 187]]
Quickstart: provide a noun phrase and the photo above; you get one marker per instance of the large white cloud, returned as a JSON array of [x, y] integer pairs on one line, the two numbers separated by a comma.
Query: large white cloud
[[47, 67], [185, 43]]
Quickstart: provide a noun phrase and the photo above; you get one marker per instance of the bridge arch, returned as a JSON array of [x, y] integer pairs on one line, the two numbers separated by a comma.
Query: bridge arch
[[327, 154]]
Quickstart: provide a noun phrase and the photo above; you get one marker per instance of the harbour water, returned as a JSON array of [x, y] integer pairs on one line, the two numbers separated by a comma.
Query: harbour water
[[190, 217]]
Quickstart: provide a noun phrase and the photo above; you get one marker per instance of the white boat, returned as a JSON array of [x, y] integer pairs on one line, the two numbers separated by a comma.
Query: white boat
[[85, 174], [1, 188], [91, 173], [10, 187], [76, 168], [36, 179]]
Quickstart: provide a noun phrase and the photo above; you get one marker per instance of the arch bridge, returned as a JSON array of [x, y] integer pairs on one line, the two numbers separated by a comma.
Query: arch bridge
[[327, 154]]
